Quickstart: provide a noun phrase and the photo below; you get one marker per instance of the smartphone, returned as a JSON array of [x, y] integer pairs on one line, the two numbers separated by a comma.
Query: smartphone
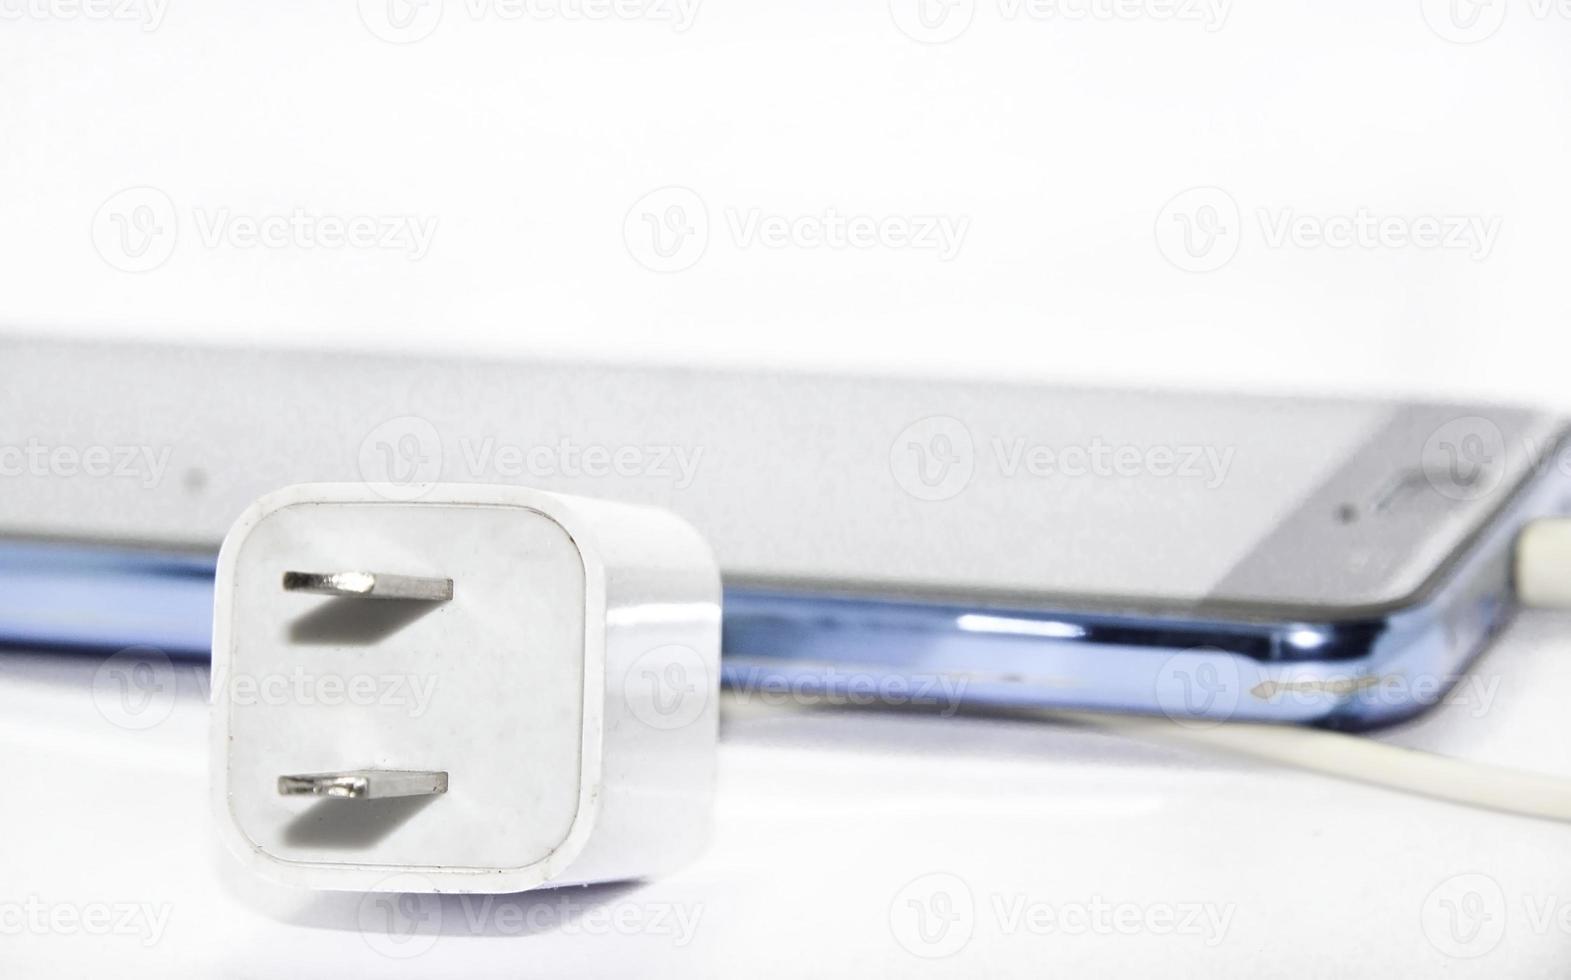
[[1207, 556]]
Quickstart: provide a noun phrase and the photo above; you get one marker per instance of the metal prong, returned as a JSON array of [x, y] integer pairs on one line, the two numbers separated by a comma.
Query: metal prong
[[365, 784], [370, 585]]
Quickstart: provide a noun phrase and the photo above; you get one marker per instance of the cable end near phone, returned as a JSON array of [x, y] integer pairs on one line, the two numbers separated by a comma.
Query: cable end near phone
[[1543, 563]]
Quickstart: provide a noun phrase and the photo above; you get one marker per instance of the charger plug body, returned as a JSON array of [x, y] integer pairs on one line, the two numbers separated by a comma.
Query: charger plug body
[[483, 689]]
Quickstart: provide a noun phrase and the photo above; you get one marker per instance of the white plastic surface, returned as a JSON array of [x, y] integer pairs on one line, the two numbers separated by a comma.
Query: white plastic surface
[[1543, 564], [505, 688]]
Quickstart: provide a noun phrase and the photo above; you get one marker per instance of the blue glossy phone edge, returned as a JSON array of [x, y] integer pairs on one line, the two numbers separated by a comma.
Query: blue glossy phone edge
[[782, 644]]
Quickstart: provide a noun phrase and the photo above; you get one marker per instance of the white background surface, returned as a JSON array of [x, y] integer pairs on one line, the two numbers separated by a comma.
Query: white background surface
[[1061, 145], [826, 820], [1060, 140]]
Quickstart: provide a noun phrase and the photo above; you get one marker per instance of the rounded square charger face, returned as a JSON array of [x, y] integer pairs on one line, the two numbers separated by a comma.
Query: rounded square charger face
[[487, 687]]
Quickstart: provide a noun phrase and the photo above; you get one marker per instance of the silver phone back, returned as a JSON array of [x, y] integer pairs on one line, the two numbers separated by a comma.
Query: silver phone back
[[1013, 492]]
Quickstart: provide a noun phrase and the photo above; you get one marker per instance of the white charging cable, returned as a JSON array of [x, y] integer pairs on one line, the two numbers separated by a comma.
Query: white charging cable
[[1542, 580], [1543, 564], [1355, 757]]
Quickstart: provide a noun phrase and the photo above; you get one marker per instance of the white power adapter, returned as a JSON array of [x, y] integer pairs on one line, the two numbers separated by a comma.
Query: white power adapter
[[485, 689]]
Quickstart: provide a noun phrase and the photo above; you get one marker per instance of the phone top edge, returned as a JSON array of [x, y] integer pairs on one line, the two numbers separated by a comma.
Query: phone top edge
[[21, 337]]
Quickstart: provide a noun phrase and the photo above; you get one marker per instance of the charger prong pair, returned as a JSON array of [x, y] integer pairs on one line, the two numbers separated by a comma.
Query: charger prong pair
[[367, 784]]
